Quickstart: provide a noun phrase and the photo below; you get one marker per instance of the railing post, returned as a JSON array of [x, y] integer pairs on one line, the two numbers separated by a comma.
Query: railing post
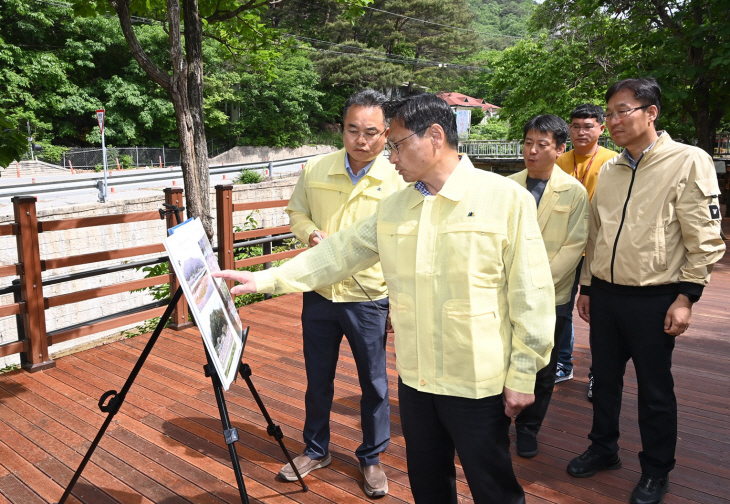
[[35, 357], [179, 319], [266, 250], [224, 221]]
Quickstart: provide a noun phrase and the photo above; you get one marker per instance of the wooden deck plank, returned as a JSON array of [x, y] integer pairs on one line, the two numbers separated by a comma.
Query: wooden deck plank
[[166, 446]]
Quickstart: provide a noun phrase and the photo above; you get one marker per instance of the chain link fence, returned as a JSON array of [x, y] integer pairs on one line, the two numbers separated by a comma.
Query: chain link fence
[[125, 157]]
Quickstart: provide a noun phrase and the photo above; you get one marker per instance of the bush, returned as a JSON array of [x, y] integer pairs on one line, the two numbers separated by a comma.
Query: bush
[[249, 176], [52, 153], [477, 115], [493, 129], [126, 161]]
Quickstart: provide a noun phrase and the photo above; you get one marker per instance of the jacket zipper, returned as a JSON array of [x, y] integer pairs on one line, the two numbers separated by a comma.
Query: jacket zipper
[[623, 215]]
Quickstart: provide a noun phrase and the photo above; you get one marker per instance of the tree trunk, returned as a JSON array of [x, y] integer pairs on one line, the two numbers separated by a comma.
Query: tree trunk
[[193, 148], [194, 56], [196, 201]]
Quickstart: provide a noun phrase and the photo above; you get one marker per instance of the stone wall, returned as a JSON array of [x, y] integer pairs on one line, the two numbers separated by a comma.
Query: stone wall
[[96, 239]]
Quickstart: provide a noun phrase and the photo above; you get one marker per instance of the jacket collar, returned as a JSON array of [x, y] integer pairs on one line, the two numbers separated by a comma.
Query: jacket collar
[[559, 181], [455, 186], [663, 139], [379, 169]]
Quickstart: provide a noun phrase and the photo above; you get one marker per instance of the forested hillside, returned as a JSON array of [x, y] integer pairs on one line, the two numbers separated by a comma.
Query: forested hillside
[[56, 67]]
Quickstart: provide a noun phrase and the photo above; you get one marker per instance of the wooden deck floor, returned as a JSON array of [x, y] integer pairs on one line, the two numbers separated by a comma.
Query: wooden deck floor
[[165, 445]]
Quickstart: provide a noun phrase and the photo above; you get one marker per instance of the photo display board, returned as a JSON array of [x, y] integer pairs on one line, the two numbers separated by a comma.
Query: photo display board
[[210, 301]]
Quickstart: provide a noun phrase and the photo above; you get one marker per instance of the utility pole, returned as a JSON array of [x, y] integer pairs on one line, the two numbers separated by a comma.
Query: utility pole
[[30, 141], [100, 119]]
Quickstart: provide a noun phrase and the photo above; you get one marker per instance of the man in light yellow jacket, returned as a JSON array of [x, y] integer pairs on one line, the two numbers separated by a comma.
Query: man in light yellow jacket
[[332, 193], [472, 302], [562, 214]]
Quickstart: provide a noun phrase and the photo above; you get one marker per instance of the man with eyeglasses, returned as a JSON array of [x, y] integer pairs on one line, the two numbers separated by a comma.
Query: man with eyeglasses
[[562, 214], [471, 296], [332, 193], [654, 237], [583, 162]]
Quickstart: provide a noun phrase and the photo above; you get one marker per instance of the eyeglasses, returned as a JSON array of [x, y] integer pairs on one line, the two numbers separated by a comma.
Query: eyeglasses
[[393, 146], [369, 136], [620, 114], [576, 127]]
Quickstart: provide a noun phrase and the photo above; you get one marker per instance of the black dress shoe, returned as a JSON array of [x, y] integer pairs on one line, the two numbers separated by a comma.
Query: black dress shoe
[[591, 462], [650, 490], [526, 445]]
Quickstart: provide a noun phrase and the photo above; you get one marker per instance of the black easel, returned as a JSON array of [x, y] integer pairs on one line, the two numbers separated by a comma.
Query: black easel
[[230, 434]]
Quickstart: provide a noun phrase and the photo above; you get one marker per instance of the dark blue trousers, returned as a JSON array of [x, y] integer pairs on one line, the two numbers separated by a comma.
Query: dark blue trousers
[[436, 425], [323, 325], [565, 343]]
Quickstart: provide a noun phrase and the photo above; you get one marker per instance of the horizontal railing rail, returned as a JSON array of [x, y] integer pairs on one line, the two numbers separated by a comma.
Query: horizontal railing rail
[[30, 304]]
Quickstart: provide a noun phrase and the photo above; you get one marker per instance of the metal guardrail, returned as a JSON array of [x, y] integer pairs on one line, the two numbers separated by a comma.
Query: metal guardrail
[[510, 149], [492, 149], [135, 177]]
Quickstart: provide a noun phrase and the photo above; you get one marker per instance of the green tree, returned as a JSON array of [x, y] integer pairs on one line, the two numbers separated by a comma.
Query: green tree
[[236, 24], [685, 45], [57, 69], [548, 76], [12, 143]]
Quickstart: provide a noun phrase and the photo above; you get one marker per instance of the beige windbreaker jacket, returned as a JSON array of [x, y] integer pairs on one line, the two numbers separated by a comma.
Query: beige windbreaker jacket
[[658, 224]]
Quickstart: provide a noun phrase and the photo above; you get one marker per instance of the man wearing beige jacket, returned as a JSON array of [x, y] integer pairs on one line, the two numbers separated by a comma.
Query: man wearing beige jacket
[[562, 214], [654, 237]]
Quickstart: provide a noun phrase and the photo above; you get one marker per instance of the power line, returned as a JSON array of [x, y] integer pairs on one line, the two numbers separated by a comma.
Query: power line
[[444, 25], [382, 56]]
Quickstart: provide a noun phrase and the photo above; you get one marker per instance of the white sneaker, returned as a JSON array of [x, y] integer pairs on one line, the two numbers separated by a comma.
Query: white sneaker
[[562, 375]]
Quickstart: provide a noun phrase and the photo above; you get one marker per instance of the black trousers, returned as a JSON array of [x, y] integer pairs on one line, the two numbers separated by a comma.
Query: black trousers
[[530, 419], [628, 324], [436, 425]]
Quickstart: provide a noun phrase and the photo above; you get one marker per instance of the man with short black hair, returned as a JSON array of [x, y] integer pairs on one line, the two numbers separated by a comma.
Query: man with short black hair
[[562, 214], [332, 193], [654, 238], [471, 297], [583, 162]]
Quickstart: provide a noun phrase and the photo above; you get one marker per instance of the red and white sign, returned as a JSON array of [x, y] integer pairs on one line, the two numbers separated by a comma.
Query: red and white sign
[[100, 120]]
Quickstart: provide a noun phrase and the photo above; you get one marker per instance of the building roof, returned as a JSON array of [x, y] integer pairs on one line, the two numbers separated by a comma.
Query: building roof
[[462, 100]]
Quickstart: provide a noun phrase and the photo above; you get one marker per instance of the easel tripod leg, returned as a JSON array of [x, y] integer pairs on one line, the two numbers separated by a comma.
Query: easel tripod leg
[[230, 433], [271, 429], [117, 398]]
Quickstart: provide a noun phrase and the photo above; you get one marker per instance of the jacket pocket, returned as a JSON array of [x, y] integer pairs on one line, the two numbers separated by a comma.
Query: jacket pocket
[[403, 318], [659, 261], [471, 340]]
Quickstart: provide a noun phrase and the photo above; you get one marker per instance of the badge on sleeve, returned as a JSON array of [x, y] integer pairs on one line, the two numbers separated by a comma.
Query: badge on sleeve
[[715, 212]]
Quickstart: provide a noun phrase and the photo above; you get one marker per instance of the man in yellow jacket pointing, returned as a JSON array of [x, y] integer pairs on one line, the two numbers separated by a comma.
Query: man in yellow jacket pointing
[[471, 295]]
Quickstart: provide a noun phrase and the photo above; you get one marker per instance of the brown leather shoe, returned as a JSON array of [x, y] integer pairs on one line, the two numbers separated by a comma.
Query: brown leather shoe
[[375, 482], [305, 465]]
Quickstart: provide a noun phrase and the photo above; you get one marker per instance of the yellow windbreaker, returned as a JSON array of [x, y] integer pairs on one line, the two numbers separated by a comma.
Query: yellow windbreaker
[[563, 216], [471, 294], [325, 198], [658, 224]]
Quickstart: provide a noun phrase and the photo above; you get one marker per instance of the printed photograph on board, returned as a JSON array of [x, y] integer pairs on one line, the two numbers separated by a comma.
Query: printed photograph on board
[[210, 300]]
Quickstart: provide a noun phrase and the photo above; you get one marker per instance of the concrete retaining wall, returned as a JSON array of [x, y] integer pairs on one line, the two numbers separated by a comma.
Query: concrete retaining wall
[[96, 239], [248, 154]]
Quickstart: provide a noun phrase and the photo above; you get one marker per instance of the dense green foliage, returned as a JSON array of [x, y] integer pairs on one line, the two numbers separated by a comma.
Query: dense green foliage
[[57, 68]]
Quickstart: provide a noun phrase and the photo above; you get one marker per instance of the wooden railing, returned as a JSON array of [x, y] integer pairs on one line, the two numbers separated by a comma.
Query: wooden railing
[[30, 304]]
